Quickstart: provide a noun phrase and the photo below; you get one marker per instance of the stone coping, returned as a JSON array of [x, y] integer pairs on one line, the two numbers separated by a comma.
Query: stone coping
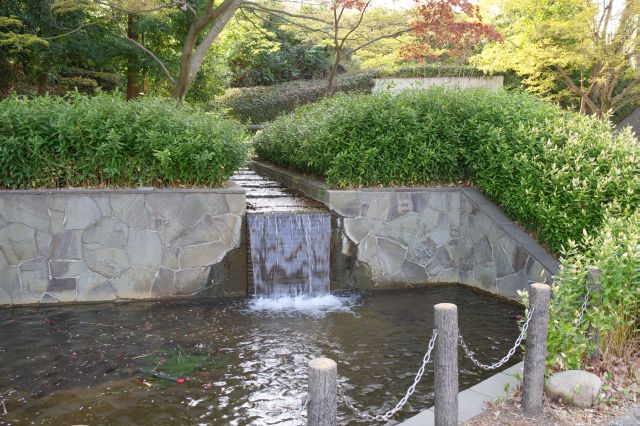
[[471, 401], [320, 191], [229, 188]]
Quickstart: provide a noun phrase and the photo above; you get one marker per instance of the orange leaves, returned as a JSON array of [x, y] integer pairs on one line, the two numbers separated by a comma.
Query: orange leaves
[[451, 26]]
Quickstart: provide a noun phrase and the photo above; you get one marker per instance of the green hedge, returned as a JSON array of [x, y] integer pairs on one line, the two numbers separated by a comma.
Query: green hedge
[[102, 140], [554, 171], [264, 103], [433, 70]]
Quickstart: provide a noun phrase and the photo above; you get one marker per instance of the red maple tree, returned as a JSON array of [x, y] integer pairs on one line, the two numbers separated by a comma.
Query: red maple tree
[[455, 26]]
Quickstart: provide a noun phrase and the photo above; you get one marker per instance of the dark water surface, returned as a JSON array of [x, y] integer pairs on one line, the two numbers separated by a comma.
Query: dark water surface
[[80, 364]]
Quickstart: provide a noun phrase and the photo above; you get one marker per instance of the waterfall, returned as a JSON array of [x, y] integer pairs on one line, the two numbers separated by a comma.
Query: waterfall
[[290, 254]]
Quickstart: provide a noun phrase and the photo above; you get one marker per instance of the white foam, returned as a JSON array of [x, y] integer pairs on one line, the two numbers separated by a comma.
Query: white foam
[[313, 305]]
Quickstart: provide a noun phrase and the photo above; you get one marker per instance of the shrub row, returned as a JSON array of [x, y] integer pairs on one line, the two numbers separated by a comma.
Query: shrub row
[[104, 141], [553, 170], [432, 70], [566, 177], [264, 103]]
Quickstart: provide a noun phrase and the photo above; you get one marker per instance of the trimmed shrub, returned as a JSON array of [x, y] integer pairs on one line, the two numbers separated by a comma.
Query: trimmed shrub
[[81, 141], [554, 171], [433, 70], [264, 103]]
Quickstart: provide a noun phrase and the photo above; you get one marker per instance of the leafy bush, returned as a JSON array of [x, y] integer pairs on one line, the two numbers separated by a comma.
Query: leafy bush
[[264, 103], [568, 178], [554, 171], [616, 251], [105, 141], [433, 70]]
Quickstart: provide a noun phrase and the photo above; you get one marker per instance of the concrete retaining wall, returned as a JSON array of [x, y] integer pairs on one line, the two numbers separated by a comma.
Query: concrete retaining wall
[[411, 236], [97, 245], [397, 85]]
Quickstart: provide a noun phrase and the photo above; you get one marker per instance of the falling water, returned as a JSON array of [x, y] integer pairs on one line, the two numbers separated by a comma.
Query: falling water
[[290, 254]]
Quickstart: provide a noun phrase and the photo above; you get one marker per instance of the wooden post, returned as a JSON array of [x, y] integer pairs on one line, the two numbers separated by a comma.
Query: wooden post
[[594, 281], [536, 351], [446, 365], [322, 408]]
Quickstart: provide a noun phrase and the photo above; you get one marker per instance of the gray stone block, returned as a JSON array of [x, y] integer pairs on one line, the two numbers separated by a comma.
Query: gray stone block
[[202, 232], [345, 203], [414, 273], [106, 261], [202, 255], [11, 282], [164, 205], [189, 281], [391, 255], [60, 290], [43, 243], [404, 229], [130, 209], [358, 228], [228, 227], [236, 203], [18, 243], [32, 211], [164, 283], [133, 283], [107, 232], [5, 298], [34, 276], [67, 268], [193, 208], [508, 286], [145, 248], [94, 287], [422, 250], [171, 257], [378, 206], [81, 211], [67, 245], [503, 252]]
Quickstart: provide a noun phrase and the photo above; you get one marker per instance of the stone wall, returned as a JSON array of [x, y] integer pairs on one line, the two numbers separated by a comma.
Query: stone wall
[[96, 245], [411, 236], [397, 85]]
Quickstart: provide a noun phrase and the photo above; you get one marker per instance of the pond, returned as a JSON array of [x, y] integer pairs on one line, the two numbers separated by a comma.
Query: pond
[[241, 365]]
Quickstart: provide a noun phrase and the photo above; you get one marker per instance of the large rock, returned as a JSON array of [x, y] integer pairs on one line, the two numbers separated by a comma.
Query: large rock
[[574, 387]]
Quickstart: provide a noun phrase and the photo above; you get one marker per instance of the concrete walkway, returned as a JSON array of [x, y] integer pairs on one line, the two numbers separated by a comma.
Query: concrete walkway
[[471, 401]]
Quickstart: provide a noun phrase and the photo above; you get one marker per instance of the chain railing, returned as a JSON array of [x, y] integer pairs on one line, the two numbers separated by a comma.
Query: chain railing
[[325, 392], [505, 358], [389, 414]]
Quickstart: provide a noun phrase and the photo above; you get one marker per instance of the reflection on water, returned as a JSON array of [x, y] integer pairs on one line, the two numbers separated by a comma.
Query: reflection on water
[[245, 363]]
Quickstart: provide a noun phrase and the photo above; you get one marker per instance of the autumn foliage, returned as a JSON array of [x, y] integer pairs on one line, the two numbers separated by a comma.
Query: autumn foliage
[[450, 27]]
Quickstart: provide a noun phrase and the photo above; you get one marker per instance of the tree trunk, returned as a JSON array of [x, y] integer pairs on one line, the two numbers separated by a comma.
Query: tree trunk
[[332, 74], [132, 87]]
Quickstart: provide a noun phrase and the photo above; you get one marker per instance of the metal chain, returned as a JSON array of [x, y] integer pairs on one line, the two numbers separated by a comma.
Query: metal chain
[[504, 359], [389, 414], [585, 303]]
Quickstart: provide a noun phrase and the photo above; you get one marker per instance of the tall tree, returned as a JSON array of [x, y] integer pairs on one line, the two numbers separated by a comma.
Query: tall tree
[[587, 48]]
